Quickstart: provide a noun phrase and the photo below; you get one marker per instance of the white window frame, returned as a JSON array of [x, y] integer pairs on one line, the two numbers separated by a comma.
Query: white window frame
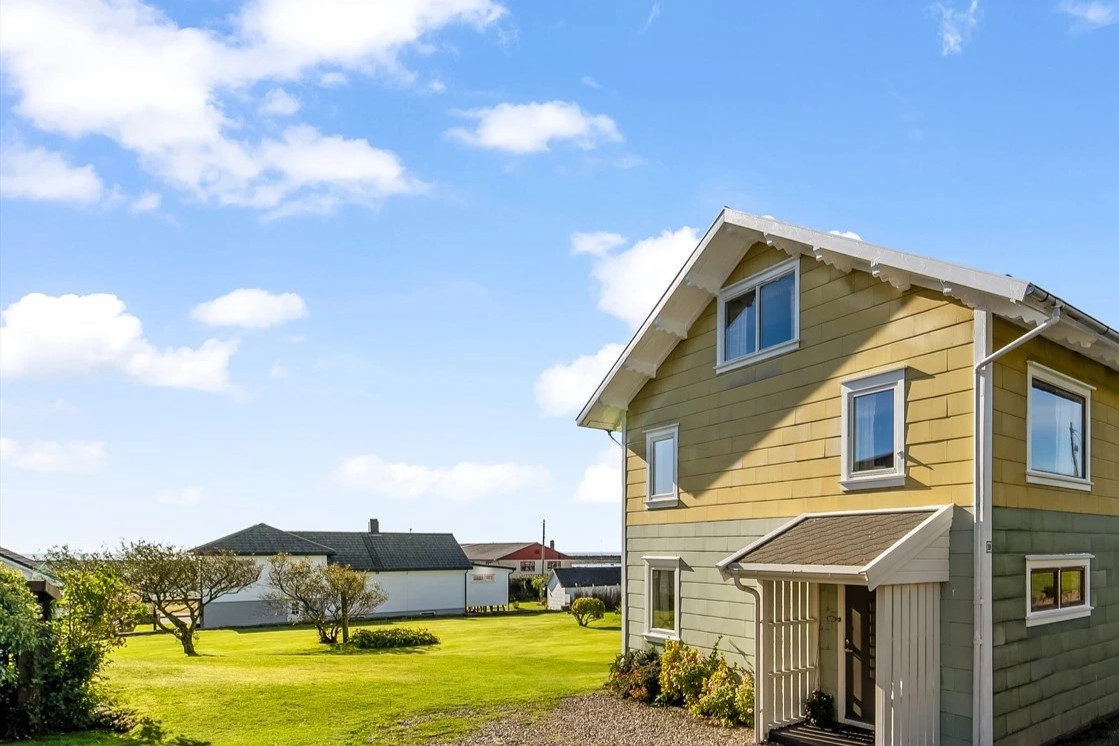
[[664, 563], [1072, 386], [668, 499], [880, 478], [1058, 561], [723, 365]]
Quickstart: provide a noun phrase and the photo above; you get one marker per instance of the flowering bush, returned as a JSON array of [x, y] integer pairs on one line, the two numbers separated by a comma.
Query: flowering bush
[[684, 671], [393, 637], [744, 700], [635, 675], [717, 697], [819, 708]]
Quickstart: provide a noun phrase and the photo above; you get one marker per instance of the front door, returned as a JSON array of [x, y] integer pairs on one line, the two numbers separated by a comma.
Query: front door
[[858, 655]]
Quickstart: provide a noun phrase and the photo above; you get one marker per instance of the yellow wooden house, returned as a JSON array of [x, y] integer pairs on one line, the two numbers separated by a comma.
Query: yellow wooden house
[[875, 474]]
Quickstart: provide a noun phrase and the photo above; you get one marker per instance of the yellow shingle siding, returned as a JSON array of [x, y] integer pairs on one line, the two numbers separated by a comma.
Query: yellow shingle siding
[[1010, 487], [764, 441]]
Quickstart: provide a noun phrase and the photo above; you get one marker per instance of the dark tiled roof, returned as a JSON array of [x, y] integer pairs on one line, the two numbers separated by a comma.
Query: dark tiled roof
[[18, 559], [384, 552], [583, 577], [263, 539], [848, 540], [493, 551]]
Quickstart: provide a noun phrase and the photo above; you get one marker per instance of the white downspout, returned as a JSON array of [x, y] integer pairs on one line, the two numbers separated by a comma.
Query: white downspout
[[982, 720], [624, 605], [759, 676]]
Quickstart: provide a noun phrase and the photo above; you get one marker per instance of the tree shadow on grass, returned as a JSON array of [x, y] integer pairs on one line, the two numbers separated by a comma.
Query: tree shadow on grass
[[151, 733]]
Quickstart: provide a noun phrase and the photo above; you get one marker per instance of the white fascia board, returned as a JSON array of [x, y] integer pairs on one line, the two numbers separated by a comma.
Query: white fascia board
[[885, 565]]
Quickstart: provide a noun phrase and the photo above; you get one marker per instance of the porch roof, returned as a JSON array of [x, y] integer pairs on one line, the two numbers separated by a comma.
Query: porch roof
[[872, 548]]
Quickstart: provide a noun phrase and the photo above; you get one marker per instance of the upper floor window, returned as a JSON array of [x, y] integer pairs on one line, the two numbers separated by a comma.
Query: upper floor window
[[661, 458], [873, 438], [1058, 587], [528, 565], [759, 316], [1059, 429]]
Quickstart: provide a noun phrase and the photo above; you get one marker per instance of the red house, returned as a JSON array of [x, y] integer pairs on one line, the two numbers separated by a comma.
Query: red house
[[523, 558]]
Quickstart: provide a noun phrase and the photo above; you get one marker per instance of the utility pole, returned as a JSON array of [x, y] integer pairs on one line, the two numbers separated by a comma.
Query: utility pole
[[543, 534]]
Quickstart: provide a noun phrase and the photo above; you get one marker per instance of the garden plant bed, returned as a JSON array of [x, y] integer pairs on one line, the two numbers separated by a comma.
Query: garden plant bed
[[603, 720]]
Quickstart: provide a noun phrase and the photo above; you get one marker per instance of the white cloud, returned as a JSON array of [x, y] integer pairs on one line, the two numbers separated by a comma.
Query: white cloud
[[146, 202], [332, 79], [632, 281], [41, 174], [1090, 15], [564, 388], [463, 481], [532, 128], [279, 103], [590, 82], [847, 234], [126, 71], [75, 335], [47, 456], [654, 14], [252, 308], [602, 480], [185, 496], [278, 370], [595, 244], [956, 26]]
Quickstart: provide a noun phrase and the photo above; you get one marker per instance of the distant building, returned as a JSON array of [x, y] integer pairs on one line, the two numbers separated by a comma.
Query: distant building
[[525, 559], [595, 559], [569, 583]]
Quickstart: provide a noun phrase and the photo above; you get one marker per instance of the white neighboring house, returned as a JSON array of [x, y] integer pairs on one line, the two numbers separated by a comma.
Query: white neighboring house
[[570, 583], [422, 574], [487, 585]]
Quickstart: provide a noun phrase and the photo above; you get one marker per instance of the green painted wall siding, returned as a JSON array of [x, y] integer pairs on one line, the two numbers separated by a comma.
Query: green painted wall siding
[[956, 634], [1053, 678]]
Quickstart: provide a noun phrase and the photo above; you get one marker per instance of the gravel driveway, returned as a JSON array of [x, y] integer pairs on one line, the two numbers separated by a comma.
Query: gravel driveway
[[602, 720]]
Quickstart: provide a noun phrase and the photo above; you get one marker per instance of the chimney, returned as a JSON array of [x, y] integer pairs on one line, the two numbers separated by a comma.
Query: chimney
[[552, 545], [374, 526]]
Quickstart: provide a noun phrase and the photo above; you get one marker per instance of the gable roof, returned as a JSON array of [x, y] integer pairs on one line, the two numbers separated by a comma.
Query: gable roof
[[263, 539], [733, 234], [364, 551], [865, 546], [493, 551], [584, 577]]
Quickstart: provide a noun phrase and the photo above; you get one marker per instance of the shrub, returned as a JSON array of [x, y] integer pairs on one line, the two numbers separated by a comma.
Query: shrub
[[744, 700], [819, 708], [684, 671], [636, 675], [717, 698], [393, 637], [587, 608]]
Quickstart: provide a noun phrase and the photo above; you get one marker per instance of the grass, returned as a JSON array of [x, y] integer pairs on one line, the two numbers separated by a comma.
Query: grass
[[279, 686]]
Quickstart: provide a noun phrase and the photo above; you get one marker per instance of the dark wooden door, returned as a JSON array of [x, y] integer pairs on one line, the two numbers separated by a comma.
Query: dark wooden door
[[858, 655]]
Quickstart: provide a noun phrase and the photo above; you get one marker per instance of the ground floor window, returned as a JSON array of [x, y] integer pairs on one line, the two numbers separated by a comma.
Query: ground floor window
[[1058, 587], [528, 565], [662, 597]]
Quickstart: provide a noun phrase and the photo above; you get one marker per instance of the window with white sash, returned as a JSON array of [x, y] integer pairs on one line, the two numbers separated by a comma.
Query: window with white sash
[[873, 438]]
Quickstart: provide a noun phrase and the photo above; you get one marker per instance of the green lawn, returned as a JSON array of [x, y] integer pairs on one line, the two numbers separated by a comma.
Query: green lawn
[[279, 686]]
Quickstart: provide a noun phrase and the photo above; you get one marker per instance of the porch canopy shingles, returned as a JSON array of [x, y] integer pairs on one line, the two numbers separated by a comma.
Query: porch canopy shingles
[[864, 547]]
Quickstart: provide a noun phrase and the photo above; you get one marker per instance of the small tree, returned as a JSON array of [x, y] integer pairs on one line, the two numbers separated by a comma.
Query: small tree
[[180, 584], [352, 596], [97, 602], [587, 608]]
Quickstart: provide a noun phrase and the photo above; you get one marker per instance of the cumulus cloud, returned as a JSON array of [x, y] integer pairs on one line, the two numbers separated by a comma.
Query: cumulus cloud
[[51, 457], [595, 244], [185, 496], [1090, 15], [463, 481], [278, 370], [847, 234], [279, 103], [146, 202], [251, 308], [167, 93], [40, 174], [75, 335], [564, 388], [602, 480], [956, 26], [632, 281], [533, 127]]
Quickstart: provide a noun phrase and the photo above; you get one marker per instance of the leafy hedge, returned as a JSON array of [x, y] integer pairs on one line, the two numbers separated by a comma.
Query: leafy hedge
[[393, 637], [635, 674]]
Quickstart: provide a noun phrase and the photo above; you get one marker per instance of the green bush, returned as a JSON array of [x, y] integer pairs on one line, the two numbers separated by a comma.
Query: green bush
[[744, 700], [635, 674], [393, 637], [717, 697], [819, 708], [684, 671], [587, 608]]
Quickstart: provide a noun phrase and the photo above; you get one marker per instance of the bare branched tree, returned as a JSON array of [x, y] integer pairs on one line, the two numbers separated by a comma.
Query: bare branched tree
[[327, 596]]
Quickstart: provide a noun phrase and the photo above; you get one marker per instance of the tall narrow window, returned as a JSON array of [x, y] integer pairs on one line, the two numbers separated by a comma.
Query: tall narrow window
[[758, 316], [661, 457], [662, 597], [1057, 587], [1059, 429], [873, 439]]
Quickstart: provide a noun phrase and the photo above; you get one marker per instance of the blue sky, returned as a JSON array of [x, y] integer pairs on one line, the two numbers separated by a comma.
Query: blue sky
[[261, 263]]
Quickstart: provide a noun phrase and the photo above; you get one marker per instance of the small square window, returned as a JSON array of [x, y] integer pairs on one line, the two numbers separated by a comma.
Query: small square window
[[758, 317], [873, 436], [528, 565], [662, 583], [661, 458], [1058, 588], [1059, 430]]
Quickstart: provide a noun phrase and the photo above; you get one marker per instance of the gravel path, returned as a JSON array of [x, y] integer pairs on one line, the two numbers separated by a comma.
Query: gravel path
[[602, 720]]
